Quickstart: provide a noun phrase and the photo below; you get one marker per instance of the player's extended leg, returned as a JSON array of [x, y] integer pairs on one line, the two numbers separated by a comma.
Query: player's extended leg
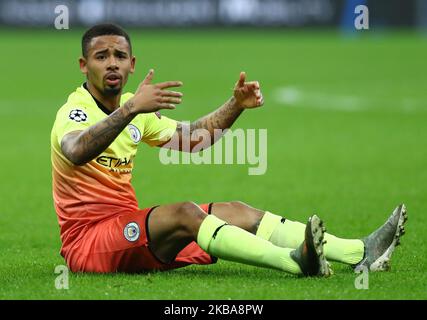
[[172, 227], [287, 233], [373, 251]]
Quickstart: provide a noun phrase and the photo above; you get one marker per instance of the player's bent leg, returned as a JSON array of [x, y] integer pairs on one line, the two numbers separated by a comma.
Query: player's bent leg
[[172, 227]]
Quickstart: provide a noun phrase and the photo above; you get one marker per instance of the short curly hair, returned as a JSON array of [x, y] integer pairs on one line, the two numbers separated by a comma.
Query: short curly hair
[[103, 30]]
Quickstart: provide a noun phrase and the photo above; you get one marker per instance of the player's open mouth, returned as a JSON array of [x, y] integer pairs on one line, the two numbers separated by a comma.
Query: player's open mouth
[[113, 79]]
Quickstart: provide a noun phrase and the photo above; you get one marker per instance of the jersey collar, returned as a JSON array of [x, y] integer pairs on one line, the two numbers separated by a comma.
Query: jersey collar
[[98, 103]]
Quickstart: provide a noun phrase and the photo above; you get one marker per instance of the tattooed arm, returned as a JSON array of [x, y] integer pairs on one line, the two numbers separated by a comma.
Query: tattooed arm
[[205, 131], [81, 147]]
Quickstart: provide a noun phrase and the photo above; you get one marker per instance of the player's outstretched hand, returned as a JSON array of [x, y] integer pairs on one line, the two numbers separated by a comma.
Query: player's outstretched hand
[[153, 97], [248, 94]]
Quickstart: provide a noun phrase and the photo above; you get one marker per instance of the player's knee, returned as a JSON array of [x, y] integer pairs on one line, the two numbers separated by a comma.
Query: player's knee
[[188, 207], [188, 217]]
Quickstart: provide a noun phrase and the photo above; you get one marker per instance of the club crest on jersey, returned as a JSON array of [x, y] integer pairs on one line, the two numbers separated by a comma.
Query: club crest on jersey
[[78, 115], [131, 231], [135, 134]]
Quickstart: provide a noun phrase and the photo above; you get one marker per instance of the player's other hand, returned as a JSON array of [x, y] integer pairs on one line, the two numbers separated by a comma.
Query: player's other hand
[[153, 97], [248, 94]]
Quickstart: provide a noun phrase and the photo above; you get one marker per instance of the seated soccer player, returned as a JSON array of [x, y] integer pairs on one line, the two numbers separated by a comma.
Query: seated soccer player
[[93, 144]]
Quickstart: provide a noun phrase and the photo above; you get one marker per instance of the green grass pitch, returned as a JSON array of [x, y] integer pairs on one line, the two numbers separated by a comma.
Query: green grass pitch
[[347, 132]]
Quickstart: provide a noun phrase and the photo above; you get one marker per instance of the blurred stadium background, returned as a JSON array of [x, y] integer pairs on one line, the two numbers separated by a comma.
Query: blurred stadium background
[[345, 109], [190, 13]]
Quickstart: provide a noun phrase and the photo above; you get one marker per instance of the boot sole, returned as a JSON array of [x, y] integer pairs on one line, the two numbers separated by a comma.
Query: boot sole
[[318, 233], [383, 262]]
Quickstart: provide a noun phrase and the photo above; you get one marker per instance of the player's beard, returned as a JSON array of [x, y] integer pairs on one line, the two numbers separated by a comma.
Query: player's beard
[[112, 91]]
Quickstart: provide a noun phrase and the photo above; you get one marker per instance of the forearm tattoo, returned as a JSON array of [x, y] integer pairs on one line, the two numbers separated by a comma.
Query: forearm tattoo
[[222, 118], [95, 139]]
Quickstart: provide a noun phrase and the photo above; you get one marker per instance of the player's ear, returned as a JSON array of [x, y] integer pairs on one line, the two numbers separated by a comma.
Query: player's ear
[[132, 64], [83, 65]]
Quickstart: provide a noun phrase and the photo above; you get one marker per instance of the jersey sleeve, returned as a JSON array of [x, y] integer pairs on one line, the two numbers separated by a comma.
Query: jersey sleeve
[[71, 118], [157, 129]]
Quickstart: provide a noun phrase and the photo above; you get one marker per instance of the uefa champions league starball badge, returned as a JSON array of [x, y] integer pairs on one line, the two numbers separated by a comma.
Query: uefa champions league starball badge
[[78, 115]]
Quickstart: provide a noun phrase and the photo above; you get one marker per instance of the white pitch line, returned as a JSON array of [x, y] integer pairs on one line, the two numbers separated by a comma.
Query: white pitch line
[[292, 96]]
